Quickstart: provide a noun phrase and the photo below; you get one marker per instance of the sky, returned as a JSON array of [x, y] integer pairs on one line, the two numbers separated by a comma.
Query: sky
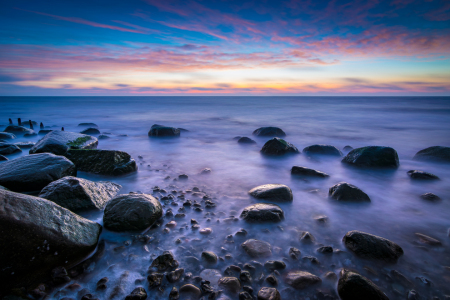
[[213, 47]]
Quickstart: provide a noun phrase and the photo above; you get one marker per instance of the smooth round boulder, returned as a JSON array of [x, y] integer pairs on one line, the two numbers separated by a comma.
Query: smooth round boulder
[[262, 212], [257, 248], [209, 257], [272, 192], [90, 130], [88, 125], [246, 140], [230, 284], [269, 131], [6, 149], [307, 172], [78, 194], [131, 212], [7, 136], [277, 146], [353, 286], [430, 197], [190, 291], [421, 175], [59, 142], [300, 280], [434, 154], [18, 129], [322, 150], [369, 246], [163, 131], [372, 157], [268, 293], [344, 191]]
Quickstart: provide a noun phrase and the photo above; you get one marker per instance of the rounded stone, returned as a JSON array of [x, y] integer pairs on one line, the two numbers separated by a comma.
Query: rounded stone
[[353, 286], [277, 146], [267, 293], [269, 131], [300, 280], [262, 212], [372, 157], [257, 248], [230, 284], [272, 192], [322, 150], [344, 191]]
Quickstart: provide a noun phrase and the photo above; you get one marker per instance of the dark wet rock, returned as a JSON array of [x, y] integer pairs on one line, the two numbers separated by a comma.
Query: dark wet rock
[[25, 145], [262, 212], [17, 129], [331, 276], [246, 140], [400, 278], [272, 280], [267, 293], [155, 279], [103, 137], [347, 148], [90, 131], [413, 295], [174, 276], [2, 158], [322, 150], [307, 172], [425, 239], [430, 197], [80, 194], [6, 149], [269, 131], [272, 192], [104, 162], [344, 191], [301, 280], [325, 250], [209, 257], [163, 131], [306, 237], [7, 136], [230, 284], [244, 296], [183, 177], [87, 125], [101, 284], [38, 236], [59, 275], [245, 277], [232, 271], [434, 154], [372, 157], [353, 286], [273, 265], [294, 253], [58, 142], [138, 293], [205, 171], [421, 175], [190, 291], [256, 248], [131, 212], [277, 146], [370, 246], [45, 131], [34, 172], [164, 261], [174, 294]]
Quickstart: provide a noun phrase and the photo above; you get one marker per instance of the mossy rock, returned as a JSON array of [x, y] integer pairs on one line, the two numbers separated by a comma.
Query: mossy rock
[[58, 142]]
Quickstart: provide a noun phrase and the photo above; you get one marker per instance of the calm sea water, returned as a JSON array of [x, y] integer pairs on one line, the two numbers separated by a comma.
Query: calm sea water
[[396, 212]]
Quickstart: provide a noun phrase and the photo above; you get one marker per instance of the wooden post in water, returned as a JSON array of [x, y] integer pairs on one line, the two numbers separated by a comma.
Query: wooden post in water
[[20, 121], [62, 128], [31, 125], [10, 121], [42, 126]]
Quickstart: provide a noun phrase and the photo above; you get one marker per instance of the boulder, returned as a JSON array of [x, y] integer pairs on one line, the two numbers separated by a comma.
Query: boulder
[[268, 293], [372, 157], [87, 125], [104, 162], [163, 131], [246, 140], [34, 172], [230, 284], [58, 142], [425, 239], [262, 212], [277, 146], [6, 149], [2, 158], [190, 292], [300, 280], [272, 192], [307, 172], [90, 131], [370, 246], [209, 257], [348, 148], [7, 136], [430, 197], [80, 194], [37, 236], [353, 286], [322, 150], [103, 137], [256, 248], [131, 212], [164, 261], [18, 129], [434, 154], [138, 293], [25, 145], [421, 175], [269, 131], [344, 191]]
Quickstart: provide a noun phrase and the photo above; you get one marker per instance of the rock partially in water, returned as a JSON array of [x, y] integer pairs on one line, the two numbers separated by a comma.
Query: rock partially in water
[[347, 148], [190, 291], [104, 162], [2, 158], [269, 131], [80, 194], [174, 276], [131, 212], [421, 175], [277, 146], [425, 239], [372, 157], [138, 293], [230, 284], [38, 236], [88, 125], [257, 248], [262, 212], [209, 257], [370, 246], [273, 265], [322, 150], [90, 131], [272, 192], [300, 280], [413, 295], [7, 136], [103, 137], [294, 253], [58, 142], [163, 131], [344, 191], [353, 286], [430, 197], [268, 293], [164, 261], [246, 140], [25, 145], [434, 154], [307, 172], [34, 172], [18, 130], [6, 149], [306, 237]]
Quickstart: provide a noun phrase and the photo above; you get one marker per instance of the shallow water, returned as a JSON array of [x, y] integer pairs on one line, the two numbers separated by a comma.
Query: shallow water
[[396, 212]]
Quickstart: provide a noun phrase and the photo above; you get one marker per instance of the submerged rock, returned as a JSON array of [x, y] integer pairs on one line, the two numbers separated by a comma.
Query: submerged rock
[[34, 172], [269, 131], [230, 284], [257, 248], [79, 194], [190, 291], [353, 286], [25, 145], [87, 125], [322, 150], [58, 142], [138, 293], [268, 293], [7, 136], [131, 212], [435, 154], [344, 191], [90, 131], [6, 149], [262, 212], [430, 197], [38, 236], [303, 171], [370, 246], [300, 280], [18, 129], [347, 148], [277, 146], [103, 137], [272, 192], [246, 140], [425, 239], [421, 175], [163, 131], [372, 157], [105, 162]]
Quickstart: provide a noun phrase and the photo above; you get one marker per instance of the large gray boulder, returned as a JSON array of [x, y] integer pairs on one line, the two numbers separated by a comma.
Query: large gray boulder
[[163, 131], [34, 172], [370, 246], [6, 149], [104, 162], [131, 212], [80, 194], [277, 146], [307, 172], [58, 142], [372, 157], [322, 150], [7, 136], [269, 131], [36, 236], [262, 212], [18, 129], [300, 280], [434, 154], [257, 248], [353, 286], [272, 192], [344, 191]]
